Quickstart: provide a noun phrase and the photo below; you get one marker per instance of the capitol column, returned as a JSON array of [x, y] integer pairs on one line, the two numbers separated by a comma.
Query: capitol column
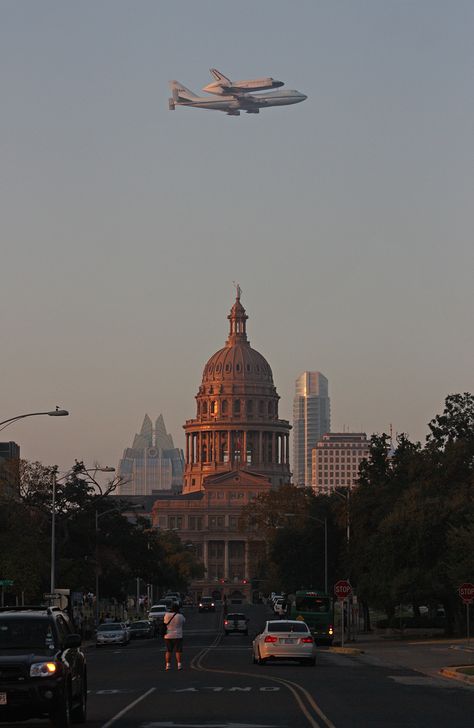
[[226, 559]]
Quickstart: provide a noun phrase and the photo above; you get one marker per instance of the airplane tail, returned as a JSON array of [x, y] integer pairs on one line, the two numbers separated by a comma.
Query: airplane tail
[[223, 80], [180, 92]]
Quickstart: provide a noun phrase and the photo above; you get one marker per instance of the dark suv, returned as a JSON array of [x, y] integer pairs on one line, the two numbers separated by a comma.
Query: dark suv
[[42, 668]]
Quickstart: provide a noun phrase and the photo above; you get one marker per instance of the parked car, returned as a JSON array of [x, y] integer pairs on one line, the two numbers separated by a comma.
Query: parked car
[[173, 598], [157, 612], [284, 639], [43, 670], [236, 622], [141, 629], [207, 604], [112, 633]]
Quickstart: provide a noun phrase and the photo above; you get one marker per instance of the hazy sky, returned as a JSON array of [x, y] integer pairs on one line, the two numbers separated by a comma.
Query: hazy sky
[[346, 219]]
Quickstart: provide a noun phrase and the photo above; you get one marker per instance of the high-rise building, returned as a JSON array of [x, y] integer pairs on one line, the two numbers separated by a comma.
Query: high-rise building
[[311, 420], [153, 463], [9, 468], [237, 448], [336, 459]]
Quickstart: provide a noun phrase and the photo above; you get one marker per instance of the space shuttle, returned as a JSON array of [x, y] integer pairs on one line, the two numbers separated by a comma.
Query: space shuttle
[[223, 85]]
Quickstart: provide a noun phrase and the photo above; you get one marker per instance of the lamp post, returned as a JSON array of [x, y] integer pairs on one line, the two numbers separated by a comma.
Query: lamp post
[[347, 498], [51, 413], [323, 522], [54, 482], [97, 516]]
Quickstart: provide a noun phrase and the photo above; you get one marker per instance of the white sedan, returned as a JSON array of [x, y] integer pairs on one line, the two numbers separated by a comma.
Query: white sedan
[[112, 633], [284, 639]]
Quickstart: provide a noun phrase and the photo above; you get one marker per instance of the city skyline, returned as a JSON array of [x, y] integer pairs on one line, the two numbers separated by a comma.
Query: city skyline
[[346, 219]]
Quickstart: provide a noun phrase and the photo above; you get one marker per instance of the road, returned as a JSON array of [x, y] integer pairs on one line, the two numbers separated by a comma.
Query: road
[[220, 687]]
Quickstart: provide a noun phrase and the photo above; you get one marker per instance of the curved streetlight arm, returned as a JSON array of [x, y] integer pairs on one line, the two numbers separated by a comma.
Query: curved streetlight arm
[[53, 413]]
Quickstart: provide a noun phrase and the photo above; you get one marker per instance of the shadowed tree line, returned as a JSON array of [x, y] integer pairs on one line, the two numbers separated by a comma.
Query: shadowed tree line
[[120, 549], [411, 523]]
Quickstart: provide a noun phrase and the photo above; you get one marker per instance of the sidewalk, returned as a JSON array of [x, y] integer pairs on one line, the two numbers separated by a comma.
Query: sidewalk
[[425, 655]]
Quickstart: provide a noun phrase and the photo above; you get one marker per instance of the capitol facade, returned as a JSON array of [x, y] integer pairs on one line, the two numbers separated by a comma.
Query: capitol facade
[[237, 448]]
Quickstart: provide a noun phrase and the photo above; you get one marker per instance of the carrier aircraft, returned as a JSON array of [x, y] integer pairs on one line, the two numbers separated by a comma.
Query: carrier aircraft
[[232, 97]]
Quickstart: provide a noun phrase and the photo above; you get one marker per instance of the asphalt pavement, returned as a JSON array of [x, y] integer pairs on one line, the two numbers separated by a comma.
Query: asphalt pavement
[[380, 685]]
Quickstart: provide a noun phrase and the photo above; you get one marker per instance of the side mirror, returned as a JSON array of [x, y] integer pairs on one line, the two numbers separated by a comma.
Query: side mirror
[[72, 640]]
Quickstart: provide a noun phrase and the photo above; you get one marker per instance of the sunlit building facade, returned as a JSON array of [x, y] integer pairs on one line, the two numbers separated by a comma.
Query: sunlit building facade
[[336, 460], [237, 448], [311, 420]]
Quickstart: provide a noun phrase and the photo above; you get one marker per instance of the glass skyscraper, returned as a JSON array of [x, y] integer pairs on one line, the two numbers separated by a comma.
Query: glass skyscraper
[[311, 420], [153, 463]]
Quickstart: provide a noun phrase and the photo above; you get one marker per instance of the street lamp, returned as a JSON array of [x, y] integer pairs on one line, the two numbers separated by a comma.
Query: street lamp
[[54, 482], [347, 498], [325, 524], [53, 413], [97, 516]]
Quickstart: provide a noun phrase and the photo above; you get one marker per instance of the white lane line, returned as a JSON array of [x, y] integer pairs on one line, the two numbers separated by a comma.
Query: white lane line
[[128, 707]]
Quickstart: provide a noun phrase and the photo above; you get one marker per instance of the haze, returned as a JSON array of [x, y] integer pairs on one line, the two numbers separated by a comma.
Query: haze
[[347, 220]]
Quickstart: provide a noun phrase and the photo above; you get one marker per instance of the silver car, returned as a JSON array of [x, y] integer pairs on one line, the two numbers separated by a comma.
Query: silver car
[[236, 622], [112, 633], [284, 639]]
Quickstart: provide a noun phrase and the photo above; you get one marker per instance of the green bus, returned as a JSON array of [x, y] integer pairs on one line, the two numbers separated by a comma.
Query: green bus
[[316, 609]]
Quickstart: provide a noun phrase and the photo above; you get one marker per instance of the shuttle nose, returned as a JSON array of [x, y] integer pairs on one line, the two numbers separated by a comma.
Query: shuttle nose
[[277, 84]]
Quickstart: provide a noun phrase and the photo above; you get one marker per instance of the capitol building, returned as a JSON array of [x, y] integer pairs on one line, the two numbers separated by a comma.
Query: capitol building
[[237, 448]]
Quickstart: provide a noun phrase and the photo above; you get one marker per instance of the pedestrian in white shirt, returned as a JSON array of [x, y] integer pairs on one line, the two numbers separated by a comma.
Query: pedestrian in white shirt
[[174, 622]]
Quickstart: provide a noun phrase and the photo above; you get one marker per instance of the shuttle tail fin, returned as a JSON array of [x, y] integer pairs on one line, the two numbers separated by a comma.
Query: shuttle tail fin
[[223, 80], [181, 93]]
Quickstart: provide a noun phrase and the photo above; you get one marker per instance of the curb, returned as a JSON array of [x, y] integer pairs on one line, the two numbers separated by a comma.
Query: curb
[[346, 650], [454, 674]]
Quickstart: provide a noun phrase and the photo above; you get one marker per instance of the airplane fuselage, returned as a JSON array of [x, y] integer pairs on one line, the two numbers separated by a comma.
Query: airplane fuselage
[[251, 103]]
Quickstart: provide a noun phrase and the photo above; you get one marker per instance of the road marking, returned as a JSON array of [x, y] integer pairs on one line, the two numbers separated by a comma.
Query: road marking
[[128, 707], [417, 680], [236, 689], [170, 724], [299, 693]]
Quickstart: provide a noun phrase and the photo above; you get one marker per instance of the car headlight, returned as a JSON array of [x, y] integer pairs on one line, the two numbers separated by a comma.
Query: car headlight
[[43, 669]]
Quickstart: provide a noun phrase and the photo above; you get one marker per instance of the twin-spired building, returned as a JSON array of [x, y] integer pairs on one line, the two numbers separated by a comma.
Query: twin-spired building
[[237, 448]]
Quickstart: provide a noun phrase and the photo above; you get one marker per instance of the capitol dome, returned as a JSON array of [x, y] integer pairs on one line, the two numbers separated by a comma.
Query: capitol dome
[[237, 361], [236, 422]]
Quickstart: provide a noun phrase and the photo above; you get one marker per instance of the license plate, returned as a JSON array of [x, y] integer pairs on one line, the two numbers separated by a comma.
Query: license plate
[[288, 642], [3, 698]]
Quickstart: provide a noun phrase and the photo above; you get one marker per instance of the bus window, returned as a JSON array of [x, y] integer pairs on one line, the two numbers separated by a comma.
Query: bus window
[[313, 604]]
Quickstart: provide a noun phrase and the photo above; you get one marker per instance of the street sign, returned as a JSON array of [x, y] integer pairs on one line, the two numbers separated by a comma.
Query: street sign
[[342, 589], [51, 596], [466, 592], [6, 582]]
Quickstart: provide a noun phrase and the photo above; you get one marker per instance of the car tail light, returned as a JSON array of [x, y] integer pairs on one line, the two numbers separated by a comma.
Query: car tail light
[[307, 640], [225, 621], [271, 638]]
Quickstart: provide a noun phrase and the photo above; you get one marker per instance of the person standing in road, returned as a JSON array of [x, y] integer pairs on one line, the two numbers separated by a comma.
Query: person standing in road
[[174, 622]]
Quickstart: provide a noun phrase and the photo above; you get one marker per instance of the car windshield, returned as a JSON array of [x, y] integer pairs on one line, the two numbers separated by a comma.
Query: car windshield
[[139, 625], [160, 608], [206, 600], [287, 627], [236, 616], [110, 627], [26, 633]]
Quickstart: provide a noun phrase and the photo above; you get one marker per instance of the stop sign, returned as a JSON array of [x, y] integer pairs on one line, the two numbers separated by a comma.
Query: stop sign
[[466, 592], [342, 589]]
